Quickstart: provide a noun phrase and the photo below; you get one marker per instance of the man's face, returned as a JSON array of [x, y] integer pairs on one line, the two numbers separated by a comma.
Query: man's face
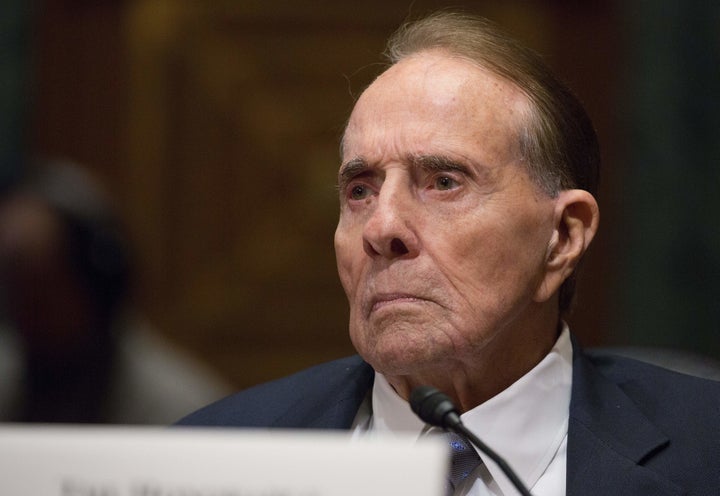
[[443, 237]]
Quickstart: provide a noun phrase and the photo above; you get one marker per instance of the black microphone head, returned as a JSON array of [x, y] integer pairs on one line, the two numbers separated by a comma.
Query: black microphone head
[[434, 407]]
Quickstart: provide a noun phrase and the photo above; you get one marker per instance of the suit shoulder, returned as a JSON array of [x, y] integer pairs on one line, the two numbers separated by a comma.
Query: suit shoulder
[[660, 392], [265, 404], [622, 368]]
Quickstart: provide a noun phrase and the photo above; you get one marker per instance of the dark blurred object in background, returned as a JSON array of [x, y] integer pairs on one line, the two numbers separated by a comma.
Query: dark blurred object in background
[[75, 348], [15, 18]]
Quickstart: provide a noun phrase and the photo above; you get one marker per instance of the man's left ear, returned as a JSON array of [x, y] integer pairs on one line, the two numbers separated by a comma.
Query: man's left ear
[[576, 218]]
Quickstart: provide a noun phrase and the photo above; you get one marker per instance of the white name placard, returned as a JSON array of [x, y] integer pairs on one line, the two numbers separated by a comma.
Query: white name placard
[[139, 461]]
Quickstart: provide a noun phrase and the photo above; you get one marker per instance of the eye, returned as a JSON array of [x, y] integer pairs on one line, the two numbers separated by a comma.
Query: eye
[[445, 183], [358, 192]]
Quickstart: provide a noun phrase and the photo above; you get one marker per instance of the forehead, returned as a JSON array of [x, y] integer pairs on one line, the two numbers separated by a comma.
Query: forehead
[[433, 98]]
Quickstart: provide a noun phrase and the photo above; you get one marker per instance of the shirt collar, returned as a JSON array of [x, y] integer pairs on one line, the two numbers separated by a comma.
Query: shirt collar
[[525, 424], [391, 413]]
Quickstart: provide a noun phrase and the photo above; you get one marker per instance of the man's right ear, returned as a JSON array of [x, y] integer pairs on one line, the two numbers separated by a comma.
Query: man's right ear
[[577, 216], [576, 220]]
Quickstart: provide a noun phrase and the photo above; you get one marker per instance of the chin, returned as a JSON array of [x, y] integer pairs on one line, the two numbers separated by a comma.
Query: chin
[[400, 352]]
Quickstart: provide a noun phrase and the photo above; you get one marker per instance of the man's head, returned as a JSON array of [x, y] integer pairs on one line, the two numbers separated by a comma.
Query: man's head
[[557, 141], [461, 216]]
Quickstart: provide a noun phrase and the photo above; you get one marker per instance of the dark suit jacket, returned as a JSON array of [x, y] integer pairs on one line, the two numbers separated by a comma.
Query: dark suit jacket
[[635, 429]]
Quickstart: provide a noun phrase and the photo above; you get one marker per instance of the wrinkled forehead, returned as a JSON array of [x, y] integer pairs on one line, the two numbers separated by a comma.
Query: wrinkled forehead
[[440, 88], [433, 99]]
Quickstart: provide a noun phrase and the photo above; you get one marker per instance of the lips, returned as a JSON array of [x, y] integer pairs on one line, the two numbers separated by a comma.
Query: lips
[[388, 299]]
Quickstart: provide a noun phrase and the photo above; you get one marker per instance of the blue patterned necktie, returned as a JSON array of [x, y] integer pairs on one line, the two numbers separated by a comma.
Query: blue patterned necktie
[[464, 461]]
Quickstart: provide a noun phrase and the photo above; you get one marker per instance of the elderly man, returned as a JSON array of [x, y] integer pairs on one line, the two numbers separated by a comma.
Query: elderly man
[[466, 205]]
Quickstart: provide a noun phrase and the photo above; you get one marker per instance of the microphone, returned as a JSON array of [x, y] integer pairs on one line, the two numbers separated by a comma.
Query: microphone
[[435, 408]]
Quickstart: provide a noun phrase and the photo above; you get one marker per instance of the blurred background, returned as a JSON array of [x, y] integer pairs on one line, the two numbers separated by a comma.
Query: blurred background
[[214, 127]]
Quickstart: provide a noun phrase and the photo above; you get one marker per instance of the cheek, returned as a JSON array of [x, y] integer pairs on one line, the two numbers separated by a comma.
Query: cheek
[[476, 268], [467, 248], [346, 260], [490, 262]]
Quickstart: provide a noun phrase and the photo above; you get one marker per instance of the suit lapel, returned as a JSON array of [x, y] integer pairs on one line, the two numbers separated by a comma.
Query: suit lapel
[[609, 439]]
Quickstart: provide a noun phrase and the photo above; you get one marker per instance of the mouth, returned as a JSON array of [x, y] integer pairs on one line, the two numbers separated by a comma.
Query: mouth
[[381, 301]]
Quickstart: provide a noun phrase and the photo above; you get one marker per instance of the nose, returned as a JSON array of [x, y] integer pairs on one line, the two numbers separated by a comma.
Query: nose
[[390, 232]]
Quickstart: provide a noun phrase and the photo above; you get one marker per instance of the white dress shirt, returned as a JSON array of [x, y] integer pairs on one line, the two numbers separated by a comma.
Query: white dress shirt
[[526, 424]]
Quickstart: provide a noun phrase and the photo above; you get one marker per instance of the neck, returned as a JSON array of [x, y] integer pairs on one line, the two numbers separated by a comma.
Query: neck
[[473, 379]]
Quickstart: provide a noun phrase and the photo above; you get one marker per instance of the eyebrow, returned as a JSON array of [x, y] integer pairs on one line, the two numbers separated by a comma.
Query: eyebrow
[[429, 163], [439, 163], [350, 170]]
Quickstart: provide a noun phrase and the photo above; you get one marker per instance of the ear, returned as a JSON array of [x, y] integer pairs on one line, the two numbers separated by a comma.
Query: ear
[[576, 218]]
